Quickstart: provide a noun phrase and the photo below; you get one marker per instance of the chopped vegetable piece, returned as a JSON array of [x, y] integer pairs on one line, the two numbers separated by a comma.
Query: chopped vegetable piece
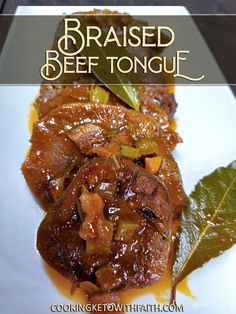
[[146, 146], [124, 137], [80, 92], [102, 243], [87, 136], [95, 229], [99, 95], [143, 147], [116, 161], [125, 230], [107, 150], [153, 164], [108, 278], [112, 133], [128, 151]]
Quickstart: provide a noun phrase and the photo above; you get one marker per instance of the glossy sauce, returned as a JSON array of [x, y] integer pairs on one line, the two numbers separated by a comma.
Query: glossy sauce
[[160, 290], [64, 286], [33, 115]]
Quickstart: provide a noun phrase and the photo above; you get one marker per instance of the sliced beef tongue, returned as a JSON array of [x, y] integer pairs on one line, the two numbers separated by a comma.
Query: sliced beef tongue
[[60, 138], [117, 204], [155, 99]]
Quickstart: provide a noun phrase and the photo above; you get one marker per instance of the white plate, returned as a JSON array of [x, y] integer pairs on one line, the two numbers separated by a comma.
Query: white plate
[[206, 121]]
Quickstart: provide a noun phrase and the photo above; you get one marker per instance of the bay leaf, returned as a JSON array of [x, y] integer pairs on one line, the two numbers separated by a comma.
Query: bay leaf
[[123, 85], [208, 225]]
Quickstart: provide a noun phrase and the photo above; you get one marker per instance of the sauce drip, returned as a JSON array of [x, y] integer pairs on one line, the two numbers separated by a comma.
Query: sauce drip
[[173, 124], [33, 116], [160, 290], [171, 88], [64, 286]]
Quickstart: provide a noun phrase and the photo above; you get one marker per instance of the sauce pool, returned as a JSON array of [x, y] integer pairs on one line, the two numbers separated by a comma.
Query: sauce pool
[[160, 290]]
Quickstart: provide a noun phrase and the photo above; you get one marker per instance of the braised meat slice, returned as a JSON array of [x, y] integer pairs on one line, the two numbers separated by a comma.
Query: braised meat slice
[[60, 138], [111, 227], [51, 97], [155, 100], [170, 176]]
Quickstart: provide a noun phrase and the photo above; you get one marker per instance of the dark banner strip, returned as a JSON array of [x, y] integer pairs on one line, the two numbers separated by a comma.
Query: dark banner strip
[[117, 49]]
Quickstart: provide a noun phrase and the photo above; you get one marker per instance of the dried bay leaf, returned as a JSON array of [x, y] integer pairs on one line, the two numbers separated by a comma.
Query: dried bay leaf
[[208, 225], [123, 85]]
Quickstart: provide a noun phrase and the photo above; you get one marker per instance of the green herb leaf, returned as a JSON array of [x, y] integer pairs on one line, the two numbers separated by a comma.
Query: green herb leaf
[[208, 225], [123, 85]]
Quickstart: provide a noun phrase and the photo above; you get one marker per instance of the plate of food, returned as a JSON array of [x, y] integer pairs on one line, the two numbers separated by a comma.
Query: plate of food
[[111, 206]]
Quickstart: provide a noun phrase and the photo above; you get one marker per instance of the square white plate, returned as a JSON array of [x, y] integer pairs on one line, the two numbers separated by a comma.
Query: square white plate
[[206, 120]]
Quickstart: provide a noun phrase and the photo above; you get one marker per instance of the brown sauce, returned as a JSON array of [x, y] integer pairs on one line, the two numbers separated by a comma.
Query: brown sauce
[[64, 286], [160, 290], [33, 115]]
